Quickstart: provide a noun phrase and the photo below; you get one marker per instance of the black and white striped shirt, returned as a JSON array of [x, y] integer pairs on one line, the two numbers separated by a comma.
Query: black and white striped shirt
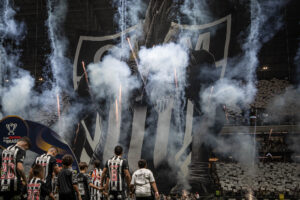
[[10, 179], [37, 189], [116, 166], [96, 177], [48, 162]]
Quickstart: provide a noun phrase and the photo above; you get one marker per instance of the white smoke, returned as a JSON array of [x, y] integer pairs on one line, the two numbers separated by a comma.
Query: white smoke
[[9, 27], [60, 64], [129, 12], [164, 70], [287, 105], [17, 83], [163, 66], [197, 12], [109, 75], [236, 93], [17, 97]]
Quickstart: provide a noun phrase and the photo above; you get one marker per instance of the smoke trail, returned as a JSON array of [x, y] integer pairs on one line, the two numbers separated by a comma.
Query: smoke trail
[[129, 12], [17, 83], [60, 64], [196, 12], [237, 88], [61, 70]]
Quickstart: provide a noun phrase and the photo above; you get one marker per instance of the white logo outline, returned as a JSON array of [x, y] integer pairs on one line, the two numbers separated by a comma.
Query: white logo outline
[[11, 127]]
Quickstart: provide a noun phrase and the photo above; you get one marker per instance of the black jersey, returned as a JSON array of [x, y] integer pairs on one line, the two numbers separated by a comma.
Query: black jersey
[[83, 185], [10, 179], [116, 166], [96, 180], [65, 181], [37, 189], [48, 162]]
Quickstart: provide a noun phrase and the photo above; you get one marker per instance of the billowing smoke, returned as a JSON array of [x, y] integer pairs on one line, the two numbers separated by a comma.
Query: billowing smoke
[[61, 68], [164, 68], [9, 27], [285, 107], [17, 83], [21, 88], [237, 88], [108, 76]]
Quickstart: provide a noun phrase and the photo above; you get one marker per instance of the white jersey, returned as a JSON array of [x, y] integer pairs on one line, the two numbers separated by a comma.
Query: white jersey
[[141, 179]]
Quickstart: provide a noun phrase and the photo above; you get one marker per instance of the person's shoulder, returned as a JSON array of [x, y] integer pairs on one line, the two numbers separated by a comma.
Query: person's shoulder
[[52, 158], [20, 149], [145, 170], [41, 182]]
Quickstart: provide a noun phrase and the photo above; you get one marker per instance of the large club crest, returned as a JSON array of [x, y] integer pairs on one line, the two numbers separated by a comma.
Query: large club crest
[[99, 136]]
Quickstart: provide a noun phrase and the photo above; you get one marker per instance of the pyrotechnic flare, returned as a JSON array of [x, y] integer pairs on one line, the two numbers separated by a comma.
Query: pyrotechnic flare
[[117, 111], [58, 105], [135, 58], [270, 134], [120, 95], [250, 195], [85, 73], [175, 78], [132, 51]]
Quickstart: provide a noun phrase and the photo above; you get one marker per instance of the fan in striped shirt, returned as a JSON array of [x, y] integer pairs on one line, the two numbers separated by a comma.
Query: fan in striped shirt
[[37, 188], [118, 172], [96, 180], [13, 177], [84, 182], [47, 161]]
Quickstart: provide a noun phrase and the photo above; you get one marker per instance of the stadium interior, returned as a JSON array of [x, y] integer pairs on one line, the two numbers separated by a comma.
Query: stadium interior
[[254, 150]]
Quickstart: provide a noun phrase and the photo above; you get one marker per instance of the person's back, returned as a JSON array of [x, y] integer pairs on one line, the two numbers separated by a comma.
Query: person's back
[[118, 173], [36, 188], [12, 169], [96, 180], [48, 161], [141, 182], [83, 185], [65, 183], [9, 176], [67, 180], [115, 167], [142, 179]]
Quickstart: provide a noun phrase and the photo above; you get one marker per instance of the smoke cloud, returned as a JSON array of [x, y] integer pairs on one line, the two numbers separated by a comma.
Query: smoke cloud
[[17, 83], [163, 66], [237, 88], [21, 88], [197, 12], [109, 75], [60, 64]]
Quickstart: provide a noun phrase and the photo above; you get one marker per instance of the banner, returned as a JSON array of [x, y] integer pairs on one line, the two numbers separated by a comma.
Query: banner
[[12, 128], [148, 132]]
